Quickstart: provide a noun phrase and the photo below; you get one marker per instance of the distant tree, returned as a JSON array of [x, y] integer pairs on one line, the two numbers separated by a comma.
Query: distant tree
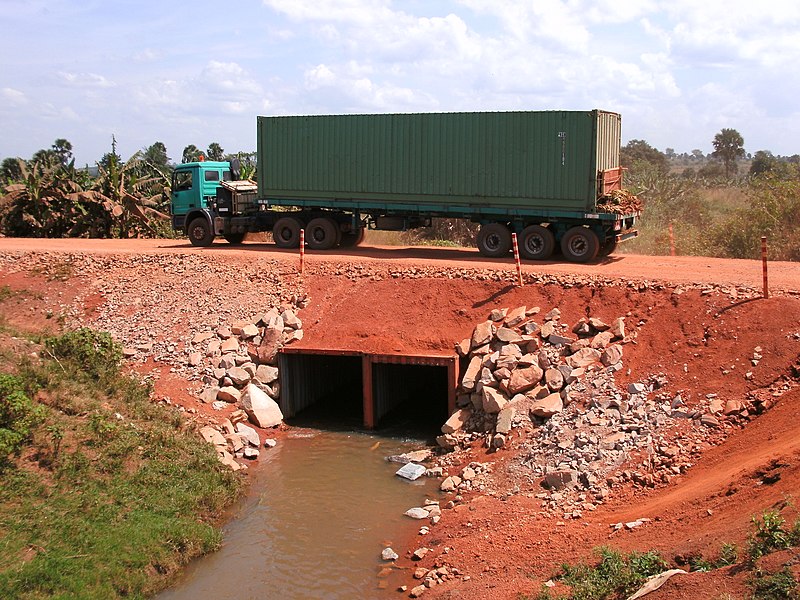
[[46, 156], [728, 146], [713, 169], [763, 162], [156, 155], [670, 153], [190, 154], [640, 151], [63, 150], [11, 169], [697, 154], [215, 152]]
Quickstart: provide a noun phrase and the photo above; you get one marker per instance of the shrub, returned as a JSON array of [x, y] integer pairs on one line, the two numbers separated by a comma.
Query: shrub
[[769, 535], [615, 574], [18, 415], [780, 585], [93, 352]]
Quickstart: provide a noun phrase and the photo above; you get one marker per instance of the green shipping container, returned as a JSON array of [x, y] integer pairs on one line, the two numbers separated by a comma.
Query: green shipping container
[[448, 163]]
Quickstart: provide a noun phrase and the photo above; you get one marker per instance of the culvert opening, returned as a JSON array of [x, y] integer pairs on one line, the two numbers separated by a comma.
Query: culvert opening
[[403, 394]]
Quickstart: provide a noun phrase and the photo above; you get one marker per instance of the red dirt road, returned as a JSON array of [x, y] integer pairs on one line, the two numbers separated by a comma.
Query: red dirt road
[[673, 269]]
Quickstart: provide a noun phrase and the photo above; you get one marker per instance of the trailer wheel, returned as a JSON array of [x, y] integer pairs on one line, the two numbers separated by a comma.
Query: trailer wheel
[[537, 242], [494, 240], [354, 238], [286, 232], [234, 238], [580, 245], [200, 233], [322, 233]]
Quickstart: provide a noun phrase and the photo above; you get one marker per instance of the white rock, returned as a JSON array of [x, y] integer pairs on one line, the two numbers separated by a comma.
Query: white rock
[[262, 410], [411, 471]]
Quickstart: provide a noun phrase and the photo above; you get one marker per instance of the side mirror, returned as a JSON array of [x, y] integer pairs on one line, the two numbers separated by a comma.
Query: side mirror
[[236, 169]]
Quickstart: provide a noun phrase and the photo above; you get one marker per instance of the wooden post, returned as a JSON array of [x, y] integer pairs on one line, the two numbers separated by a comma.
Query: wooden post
[[516, 258], [671, 241], [302, 250], [764, 264]]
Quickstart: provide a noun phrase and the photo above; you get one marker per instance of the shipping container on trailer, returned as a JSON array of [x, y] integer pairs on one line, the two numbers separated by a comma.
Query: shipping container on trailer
[[540, 174]]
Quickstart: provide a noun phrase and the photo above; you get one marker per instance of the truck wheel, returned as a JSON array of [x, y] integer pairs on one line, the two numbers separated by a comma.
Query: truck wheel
[[200, 233], [580, 245], [286, 232], [608, 248], [494, 240], [322, 233], [536, 242], [353, 238], [234, 238]]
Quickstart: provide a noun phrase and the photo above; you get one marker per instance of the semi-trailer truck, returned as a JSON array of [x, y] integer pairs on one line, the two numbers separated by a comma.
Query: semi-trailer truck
[[545, 175]]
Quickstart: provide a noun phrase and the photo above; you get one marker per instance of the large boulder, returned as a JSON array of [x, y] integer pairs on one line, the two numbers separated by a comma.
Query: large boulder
[[483, 334], [271, 342], [456, 420], [493, 400], [262, 410], [524, 379], [547, 406]]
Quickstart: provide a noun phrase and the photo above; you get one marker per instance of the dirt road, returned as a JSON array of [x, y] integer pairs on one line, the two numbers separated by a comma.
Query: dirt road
[[676, 269]]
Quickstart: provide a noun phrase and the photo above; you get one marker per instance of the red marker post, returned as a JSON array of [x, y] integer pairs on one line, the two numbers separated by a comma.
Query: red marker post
[[302, 249], [764, 264], [516, 258]]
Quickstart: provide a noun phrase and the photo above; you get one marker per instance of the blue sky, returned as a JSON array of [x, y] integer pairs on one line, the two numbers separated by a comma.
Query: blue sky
[[199, 72]]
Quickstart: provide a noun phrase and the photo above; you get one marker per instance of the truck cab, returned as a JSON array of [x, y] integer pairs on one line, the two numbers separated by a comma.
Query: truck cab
[[194, 189]]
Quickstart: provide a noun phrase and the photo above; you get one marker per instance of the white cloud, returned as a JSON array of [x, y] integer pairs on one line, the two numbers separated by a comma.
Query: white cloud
[[13, 97], [87, 80]]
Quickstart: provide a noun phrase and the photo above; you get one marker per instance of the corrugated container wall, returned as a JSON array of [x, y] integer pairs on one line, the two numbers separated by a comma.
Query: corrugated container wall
[[550, 159]]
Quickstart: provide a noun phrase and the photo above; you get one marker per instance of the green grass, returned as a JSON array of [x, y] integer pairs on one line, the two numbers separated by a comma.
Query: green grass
[[112, 495], [614, 576], [780, 585]]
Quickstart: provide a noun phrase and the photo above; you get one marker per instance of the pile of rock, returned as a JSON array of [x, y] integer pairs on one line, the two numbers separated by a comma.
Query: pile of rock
[[239, 364], [519, 369], [244, 356], [582, 435], [235, 439]]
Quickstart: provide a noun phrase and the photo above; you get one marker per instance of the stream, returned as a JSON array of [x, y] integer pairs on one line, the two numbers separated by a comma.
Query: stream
[[320, 509]]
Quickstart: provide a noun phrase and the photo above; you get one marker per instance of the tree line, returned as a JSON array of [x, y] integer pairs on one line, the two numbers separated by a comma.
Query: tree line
[[714, 209], [47, 195]]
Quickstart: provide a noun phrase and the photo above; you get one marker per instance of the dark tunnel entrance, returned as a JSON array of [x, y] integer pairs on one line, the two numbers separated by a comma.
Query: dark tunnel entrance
[[347, 389]]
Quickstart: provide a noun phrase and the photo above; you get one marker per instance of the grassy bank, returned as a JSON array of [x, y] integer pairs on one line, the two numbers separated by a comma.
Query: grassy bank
[[104, 494]]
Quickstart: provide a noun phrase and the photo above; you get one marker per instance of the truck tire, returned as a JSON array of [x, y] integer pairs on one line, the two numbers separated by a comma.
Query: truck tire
[[536, 243], [608, 248], [580, 245], [200, 233], [234, 238], [494, 240], [286, 232], [353, 238], [322, 233]]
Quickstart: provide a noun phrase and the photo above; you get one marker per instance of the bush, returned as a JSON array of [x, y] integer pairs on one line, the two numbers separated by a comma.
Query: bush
[[18, 416], [775, 586], [615, 574], [94, 352], [770, 535]]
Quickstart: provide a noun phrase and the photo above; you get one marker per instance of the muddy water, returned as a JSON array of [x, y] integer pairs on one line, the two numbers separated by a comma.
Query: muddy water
[[321, 509]]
